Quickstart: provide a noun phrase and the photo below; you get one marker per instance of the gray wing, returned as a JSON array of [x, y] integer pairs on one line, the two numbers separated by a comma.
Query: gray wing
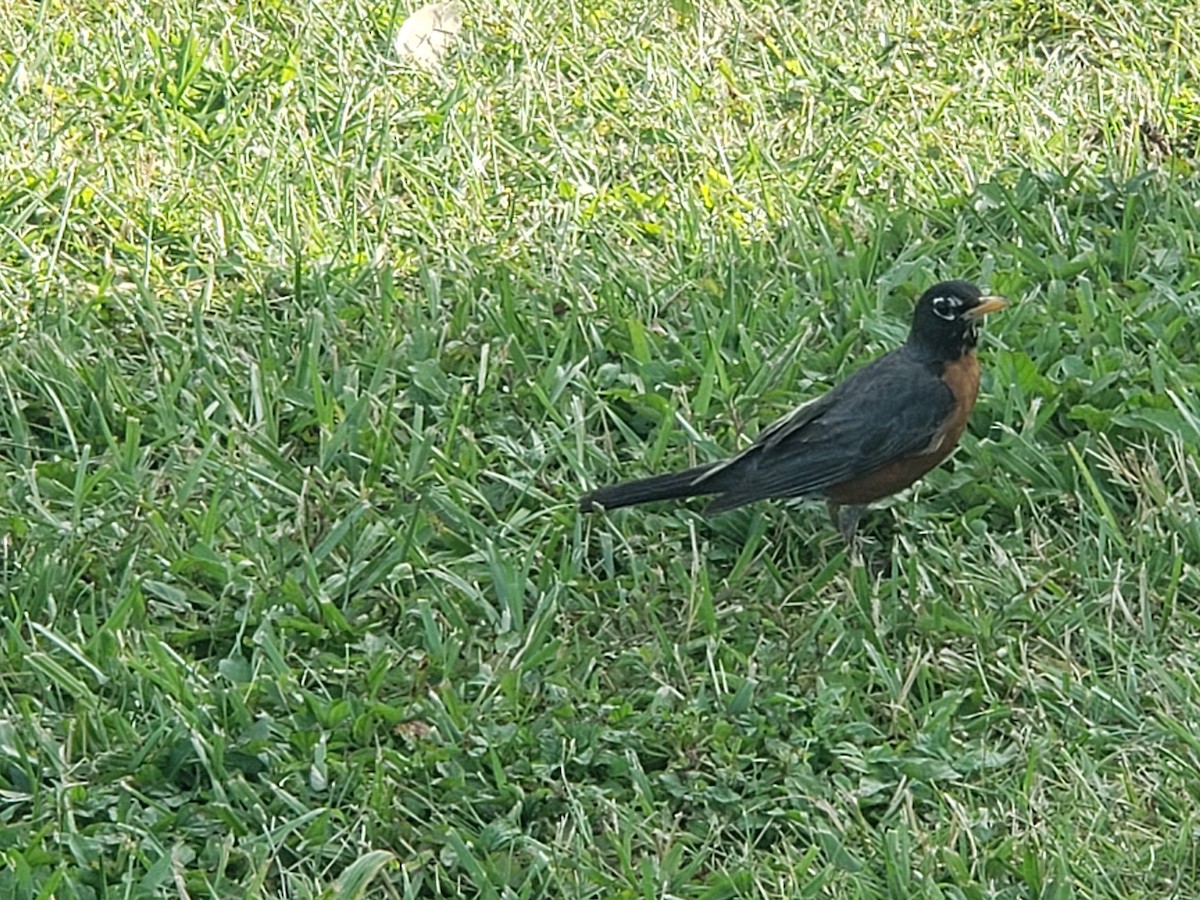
[[886, 411]]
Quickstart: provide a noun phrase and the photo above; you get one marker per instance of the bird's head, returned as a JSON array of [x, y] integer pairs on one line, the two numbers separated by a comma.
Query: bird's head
[[946, 320]]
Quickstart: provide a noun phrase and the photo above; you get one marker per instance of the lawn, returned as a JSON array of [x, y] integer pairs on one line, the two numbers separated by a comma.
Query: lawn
[[307, 352]]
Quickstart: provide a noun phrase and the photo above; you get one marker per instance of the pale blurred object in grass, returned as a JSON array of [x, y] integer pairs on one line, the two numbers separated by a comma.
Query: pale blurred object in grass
[[426, 35]]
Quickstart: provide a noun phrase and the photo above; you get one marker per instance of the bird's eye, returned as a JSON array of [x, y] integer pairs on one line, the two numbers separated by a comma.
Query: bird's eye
[[946, 307]]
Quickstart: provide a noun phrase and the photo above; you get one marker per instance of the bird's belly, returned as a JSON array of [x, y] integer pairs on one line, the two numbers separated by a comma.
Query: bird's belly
[[884, 482]]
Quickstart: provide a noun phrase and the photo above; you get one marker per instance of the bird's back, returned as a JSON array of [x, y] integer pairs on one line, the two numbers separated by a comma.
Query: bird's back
[[887, 411]]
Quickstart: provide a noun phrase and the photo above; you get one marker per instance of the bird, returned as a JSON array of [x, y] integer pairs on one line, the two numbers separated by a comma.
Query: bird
[[870, 436]]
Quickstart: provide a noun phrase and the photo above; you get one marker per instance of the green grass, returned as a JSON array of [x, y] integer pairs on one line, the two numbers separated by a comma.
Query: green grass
[[305, 356]]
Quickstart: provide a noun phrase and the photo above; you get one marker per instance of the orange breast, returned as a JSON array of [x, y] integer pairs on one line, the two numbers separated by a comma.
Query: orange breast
[[962, 377]]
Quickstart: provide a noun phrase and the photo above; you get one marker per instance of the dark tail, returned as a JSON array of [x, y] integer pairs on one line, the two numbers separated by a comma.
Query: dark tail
[[658, 487]]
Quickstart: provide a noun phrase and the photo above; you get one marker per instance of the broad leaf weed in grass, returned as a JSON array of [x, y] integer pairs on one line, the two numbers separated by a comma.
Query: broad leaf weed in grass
[[306, 354]]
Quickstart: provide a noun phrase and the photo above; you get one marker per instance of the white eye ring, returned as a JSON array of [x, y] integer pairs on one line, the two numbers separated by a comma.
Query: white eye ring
[[946, 307]]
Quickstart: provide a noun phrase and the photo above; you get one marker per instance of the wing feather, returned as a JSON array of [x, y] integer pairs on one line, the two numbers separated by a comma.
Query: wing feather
[[889, 410]]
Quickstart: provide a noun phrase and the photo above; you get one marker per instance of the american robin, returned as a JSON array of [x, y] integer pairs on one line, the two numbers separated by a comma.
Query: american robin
[[870, 436]]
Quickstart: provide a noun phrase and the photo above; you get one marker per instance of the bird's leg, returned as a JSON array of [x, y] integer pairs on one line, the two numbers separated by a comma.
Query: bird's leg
[[845, 521]]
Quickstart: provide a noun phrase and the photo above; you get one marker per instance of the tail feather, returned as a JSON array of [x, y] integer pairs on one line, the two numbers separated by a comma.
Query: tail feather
[[657, 487]]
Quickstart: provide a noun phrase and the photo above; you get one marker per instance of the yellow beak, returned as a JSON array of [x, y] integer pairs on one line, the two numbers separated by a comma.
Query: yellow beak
[[986, 305]]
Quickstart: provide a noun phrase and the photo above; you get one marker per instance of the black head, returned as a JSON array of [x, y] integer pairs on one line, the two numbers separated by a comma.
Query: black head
[[946, 318]]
